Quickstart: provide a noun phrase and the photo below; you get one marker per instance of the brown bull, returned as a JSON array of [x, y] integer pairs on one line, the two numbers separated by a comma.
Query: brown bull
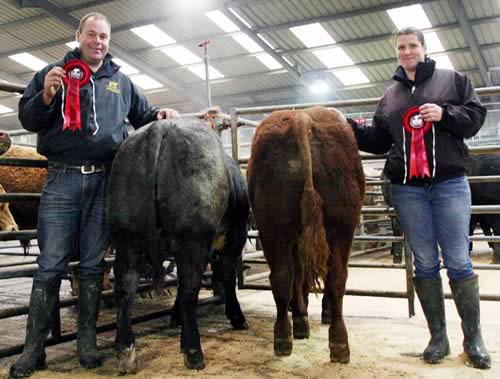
[[7, 222], [306, 187]]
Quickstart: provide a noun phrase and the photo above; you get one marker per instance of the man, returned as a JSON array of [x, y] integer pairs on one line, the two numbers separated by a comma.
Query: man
[[72, 206]]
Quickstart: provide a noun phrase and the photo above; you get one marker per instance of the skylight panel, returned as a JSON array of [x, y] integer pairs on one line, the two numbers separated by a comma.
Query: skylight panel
[[73, 44], [269, 61], [443, 61], [433, 43], [233, 11], [249, 44], [335, 57], [221, 20], [265, 41], [181, 54], [145, 81], [28, 60], [312, 35], [199, 70], [412, 15], [351, 76], [4, 109], [125, 67], [319, 87], [153, 35]]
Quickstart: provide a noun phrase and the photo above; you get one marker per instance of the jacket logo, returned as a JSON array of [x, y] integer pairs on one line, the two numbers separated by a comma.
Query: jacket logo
[[113, 87]]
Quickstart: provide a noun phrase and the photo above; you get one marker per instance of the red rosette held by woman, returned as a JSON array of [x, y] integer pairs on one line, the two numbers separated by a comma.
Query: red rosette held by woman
[[417, 127], [77, 75]]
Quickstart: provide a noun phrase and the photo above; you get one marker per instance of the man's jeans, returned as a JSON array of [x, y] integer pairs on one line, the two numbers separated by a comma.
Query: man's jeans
[[72, 219], [436, 214]]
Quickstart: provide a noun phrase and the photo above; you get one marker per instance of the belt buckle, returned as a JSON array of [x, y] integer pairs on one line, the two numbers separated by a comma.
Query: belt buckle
[[87, 169]]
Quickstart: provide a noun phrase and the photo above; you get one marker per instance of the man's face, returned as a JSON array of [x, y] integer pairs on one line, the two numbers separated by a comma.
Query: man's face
[[94, 41]]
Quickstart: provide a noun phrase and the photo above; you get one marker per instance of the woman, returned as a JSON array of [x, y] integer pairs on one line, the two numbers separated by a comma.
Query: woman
[[422, 120]]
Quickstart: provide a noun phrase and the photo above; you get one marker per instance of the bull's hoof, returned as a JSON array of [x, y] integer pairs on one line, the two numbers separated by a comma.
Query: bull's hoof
[[339, 352], [283, 347], [127, 361], [239, 324], [397, 259], [326, 318], [90, 361], [300, 327], [194, 360]]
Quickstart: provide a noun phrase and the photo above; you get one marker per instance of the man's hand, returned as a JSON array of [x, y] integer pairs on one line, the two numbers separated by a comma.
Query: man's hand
[[431, 112], [167, 113], [52, 83]]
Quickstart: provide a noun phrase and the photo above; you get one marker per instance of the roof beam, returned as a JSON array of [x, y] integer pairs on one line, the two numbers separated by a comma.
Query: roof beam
[[73, 22], [457, 7]]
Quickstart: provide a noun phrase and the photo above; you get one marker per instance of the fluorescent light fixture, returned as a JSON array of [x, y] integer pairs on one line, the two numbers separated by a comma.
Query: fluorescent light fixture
[[181, 54], [240, 18], [319, 87], [288, 61], [335, 57], [412, 15], [145, 81], [433, 43], [443, 61], [312, 35], [125, 67], [269, 61], [221, 20], [351, 76], [249, 44], [4, 109], [153, 35], [73, 44], [199, 70], [28, 60], [265, 41]]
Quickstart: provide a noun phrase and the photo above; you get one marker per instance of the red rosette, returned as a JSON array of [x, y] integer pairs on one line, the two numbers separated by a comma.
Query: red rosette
[[77, 75], [417, 127]]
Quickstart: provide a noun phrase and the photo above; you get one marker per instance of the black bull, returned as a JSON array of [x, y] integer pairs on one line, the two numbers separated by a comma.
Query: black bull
[[481, 193], [172, 190]]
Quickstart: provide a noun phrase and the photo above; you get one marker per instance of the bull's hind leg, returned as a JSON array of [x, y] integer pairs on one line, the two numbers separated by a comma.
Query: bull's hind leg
[[126, 280], [225, 268], [278, 252], [335, 290], [299, 302], [191, 260]]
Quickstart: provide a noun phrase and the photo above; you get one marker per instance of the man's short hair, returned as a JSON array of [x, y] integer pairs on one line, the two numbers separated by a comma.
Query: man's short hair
[[96, 15]]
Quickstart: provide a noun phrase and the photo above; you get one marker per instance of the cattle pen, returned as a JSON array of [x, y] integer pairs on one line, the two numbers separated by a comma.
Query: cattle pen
[[256, 280]]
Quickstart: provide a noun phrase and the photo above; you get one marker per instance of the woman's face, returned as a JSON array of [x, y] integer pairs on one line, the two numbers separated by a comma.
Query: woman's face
[[410, 51]]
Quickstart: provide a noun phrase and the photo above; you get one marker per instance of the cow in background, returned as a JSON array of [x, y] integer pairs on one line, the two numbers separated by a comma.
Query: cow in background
[[172, 190], [7, 222], [306, 189]]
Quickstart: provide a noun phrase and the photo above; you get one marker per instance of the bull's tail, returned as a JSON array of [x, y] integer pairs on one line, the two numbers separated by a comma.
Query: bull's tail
[[313, 246]]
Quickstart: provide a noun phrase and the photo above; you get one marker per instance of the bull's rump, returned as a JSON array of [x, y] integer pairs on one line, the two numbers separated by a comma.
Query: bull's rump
[[276, 172], [173, 171]]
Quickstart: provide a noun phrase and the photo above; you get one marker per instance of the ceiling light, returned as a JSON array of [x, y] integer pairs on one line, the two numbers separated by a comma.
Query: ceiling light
[[249, 44], [28, 60], [351, 76], [73, 44], [433, 43], [240, 18], [153, 35], [335, 57], [221, 20], [125, 67], [443, 61], [180, 54], [412, 15], [312, 35], [269, 61], [199, 70], [319, 87], [145, 82]]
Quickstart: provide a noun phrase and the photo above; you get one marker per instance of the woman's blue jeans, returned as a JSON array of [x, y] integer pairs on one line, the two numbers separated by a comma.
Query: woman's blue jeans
[[436, 215], [72, 219]]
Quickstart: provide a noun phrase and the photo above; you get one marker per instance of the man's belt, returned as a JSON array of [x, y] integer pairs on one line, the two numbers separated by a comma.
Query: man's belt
[[84, 169]]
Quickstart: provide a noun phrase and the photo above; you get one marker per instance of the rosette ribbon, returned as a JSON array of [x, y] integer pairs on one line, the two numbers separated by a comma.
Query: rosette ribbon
[[417, 127], [77, 75]]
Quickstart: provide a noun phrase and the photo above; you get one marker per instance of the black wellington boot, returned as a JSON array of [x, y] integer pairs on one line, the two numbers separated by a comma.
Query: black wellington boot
[[430, 294], [88, 310], [466, 296], [44, 296]]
